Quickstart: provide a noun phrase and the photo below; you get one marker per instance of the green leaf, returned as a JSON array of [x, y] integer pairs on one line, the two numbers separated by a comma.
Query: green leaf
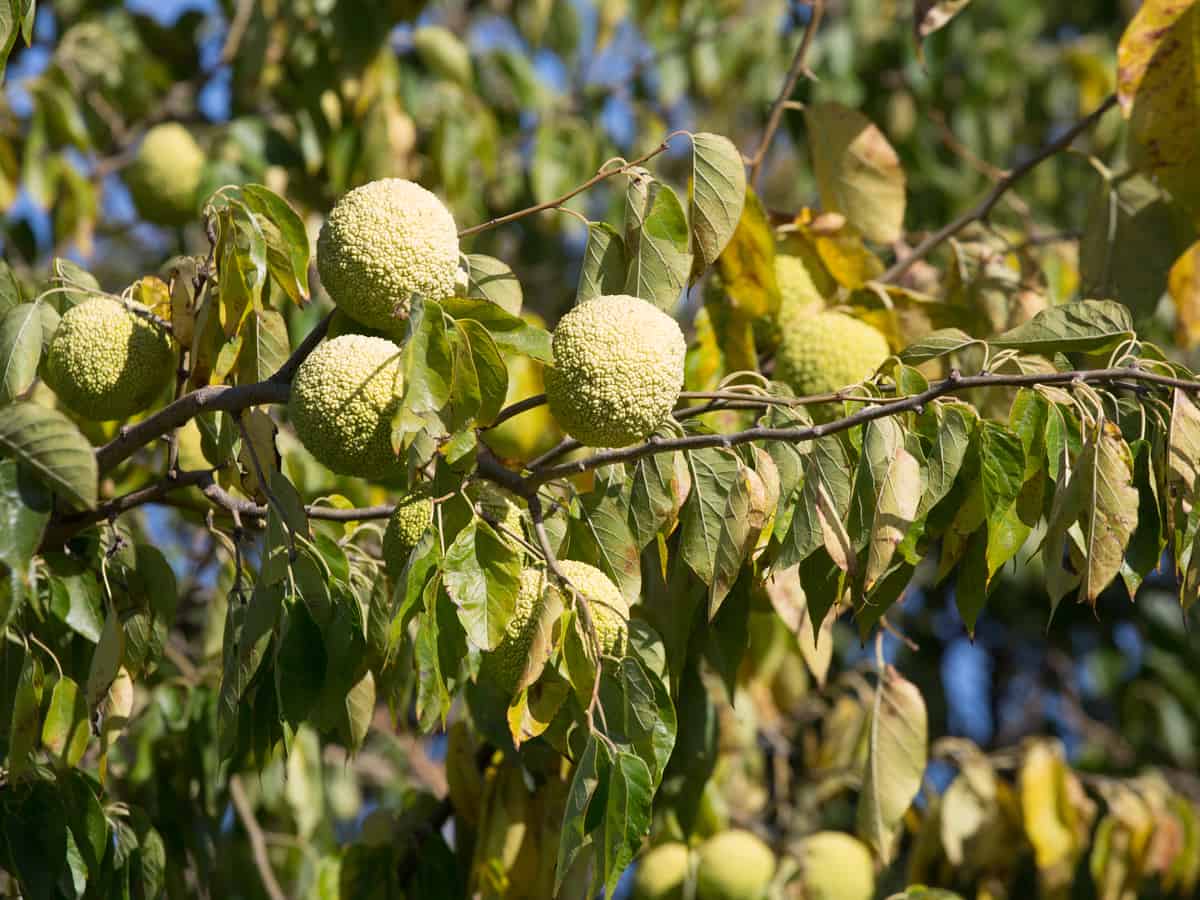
[[702, 518], [1150, 539], [590, 781], [490, 370], [897, 749], [718, 195], [433, 696], [10, 288], [602, 536], [286, 240], [66, 731], [25, 726], [265, 346], [490, 279], [937, 344], [627, 817], [482, 574], [604, 265], [950, 442], [728, 635], [1002, 466], [900, 494], [1110, 508], [659, 484], [511, 333], [20, 349], [248, 630], [429, 358], [24, 511], [10, 27], [106, 659], [656, 242], [50, 445], [743, 520], [1086, 326], [827, 469], [858, 173]]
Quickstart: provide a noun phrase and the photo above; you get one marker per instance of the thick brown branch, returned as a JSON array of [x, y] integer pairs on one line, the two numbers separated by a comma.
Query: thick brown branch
[[954, 384], [987, 203], [559, 201], [789, 86]]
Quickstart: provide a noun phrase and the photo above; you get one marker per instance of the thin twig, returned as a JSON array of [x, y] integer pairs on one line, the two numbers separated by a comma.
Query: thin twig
[[789, 86], [987, 203], [258, 845], [601, 175]]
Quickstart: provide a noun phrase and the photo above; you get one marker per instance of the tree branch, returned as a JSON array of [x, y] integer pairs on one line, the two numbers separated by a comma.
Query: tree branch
[[987, 203], [559, 201], [789, 86], [954, 384], [258, 846]]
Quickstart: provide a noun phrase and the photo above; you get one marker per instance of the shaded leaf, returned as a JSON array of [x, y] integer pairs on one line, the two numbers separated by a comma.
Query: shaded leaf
[[53, 448]]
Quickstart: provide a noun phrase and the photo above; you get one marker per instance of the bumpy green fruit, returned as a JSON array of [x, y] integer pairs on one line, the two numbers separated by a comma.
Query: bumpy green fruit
[[441, 50], [165, 175], [661, 873], [106, 361], [344, 397], [618, 370], [498, 506], [799, 299], [382, 243], [412, 516], [836, 866], [502, 667], [734, 865], [609, 609], [827, 352]]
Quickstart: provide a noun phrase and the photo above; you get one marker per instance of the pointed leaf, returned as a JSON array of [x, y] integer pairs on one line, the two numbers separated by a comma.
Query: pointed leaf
[[718, 193], [53, 448]]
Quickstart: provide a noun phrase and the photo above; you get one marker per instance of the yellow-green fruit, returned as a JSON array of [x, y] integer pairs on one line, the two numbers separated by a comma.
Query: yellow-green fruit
[[734, 865], [799, 299], [609, 609], [502, 667], [497, 506], [618, 370], [836, 866], [661, 873], [106, 361], [344, 397], [827, 352], [412, 516], [383, 243], [445, 55], [165, 175]]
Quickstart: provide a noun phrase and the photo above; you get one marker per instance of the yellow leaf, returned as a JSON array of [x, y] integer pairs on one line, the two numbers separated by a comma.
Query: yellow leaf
[[1183, 285], [747, 264], [858, 173]]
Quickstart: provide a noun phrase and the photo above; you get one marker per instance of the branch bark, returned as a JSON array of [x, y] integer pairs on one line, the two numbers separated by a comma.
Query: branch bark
[[987, 203]]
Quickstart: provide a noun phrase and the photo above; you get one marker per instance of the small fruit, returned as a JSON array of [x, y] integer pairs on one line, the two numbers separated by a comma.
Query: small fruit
[[827, 352], [106, 361], [344, 397], [502, 667], [734, 865], [383, 243], [836, 866], [661, 873], [609, 609], [164, 176], [409, 521], [618, 370]]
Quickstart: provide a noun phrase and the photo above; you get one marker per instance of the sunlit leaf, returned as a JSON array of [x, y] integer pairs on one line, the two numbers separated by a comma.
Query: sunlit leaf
[[49, 444], [718, 194]]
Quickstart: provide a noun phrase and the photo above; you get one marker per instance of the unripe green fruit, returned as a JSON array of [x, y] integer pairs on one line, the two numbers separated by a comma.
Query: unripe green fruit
[[497, 506], [409, 521], [799, 299], [106, 361], [609, 609], [827, 352], [618, 370], [734, 865], [445, 55], [344, 397], [164, 176], [502, 667], [836, 866], [383, 243], [661, 873]]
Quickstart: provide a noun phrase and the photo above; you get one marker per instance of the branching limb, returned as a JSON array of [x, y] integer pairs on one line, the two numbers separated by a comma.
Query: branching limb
[[987, 203], [600, 176], [258, 845], [798, 68]]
